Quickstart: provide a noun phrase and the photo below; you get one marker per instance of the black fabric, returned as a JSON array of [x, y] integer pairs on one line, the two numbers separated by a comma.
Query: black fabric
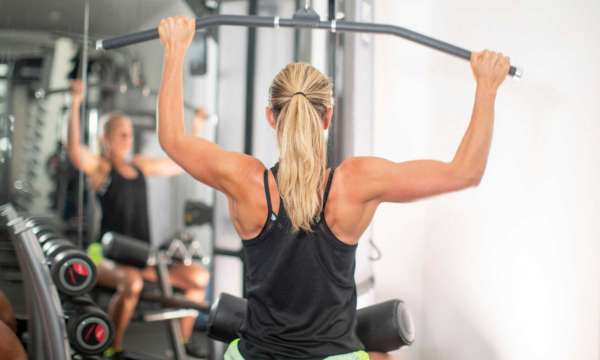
[[125, 206], [300, 289]]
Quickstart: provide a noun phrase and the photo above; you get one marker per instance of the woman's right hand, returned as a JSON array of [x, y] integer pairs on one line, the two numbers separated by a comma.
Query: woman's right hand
[[490, 68], [177, 32], [77, 91]]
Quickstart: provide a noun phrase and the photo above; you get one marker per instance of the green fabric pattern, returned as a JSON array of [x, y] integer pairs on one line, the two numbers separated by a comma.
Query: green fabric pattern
[[233, 353], [94, 251]]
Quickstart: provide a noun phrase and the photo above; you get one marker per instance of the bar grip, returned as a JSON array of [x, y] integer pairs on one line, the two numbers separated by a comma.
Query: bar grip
[[201, 23], [129, 39]]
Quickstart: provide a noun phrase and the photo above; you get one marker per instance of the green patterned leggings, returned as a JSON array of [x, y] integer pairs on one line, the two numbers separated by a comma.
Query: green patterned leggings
[[234, 354]]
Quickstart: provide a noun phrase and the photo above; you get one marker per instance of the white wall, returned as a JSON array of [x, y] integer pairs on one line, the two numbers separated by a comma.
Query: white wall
[[508, 270]]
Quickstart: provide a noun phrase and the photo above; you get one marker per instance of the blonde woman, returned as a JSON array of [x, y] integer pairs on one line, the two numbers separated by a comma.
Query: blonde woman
[[301, 221], [120, 186]]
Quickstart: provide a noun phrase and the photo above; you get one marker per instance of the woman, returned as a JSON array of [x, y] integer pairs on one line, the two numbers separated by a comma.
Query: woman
[[120, 186], [302, 221]]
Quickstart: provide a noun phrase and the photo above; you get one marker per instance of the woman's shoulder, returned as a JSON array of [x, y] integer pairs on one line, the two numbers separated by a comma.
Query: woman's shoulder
[[354, 168], [101, 174], [356, 176]]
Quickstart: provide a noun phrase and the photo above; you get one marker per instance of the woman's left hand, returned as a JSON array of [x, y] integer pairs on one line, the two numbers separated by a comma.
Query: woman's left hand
[[177, 32]]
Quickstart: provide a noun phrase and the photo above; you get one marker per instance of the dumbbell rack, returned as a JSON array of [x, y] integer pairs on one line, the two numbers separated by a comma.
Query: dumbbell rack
[[46, 326]]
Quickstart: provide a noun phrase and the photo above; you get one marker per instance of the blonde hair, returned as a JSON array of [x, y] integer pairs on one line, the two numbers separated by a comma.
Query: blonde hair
[[109, 120], [107, 123], [300, 96]]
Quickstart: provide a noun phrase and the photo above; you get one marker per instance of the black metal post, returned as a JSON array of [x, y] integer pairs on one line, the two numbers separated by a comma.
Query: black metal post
[[332, 153], [297, 38], [250, 76], [162, 271]]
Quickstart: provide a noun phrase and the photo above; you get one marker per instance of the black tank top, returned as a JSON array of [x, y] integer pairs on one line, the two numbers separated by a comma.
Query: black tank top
[[300, 289], [125, 206]]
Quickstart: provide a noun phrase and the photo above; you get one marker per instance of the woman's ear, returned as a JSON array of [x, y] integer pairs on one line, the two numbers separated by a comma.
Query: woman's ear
[[270, 116], [327, 118]]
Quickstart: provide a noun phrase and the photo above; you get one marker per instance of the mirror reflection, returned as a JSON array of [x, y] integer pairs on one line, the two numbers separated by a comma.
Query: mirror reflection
[[80, 163]]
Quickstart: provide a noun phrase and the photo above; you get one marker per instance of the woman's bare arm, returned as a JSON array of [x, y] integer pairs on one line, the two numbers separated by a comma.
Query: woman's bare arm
[[386, 181], [81, 157], [157, 166], [205, 161], [165, 166]]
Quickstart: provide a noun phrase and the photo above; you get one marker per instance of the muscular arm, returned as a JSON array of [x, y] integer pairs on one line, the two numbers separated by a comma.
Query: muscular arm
[[386, 181], [157, 166], [165, 166], [81, 157], [205, 161]]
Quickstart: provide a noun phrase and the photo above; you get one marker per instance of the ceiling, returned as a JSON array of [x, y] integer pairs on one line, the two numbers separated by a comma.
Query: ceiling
[[65, 17]]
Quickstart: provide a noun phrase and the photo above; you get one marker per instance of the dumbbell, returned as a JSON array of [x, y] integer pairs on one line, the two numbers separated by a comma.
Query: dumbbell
[[381, 327], [46, 237], [56, 245], [89, 329], [45, 224], [71, 269], [39, 228]]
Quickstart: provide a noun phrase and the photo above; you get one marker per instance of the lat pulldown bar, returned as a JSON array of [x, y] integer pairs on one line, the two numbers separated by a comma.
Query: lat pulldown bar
[[304, 18]]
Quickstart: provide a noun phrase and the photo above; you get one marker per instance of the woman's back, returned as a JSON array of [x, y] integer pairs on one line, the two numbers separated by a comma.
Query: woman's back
[[300, 289], [346, 211]]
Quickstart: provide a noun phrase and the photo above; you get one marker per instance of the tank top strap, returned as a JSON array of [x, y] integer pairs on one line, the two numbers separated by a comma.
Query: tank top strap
[[268, 192], [274, 170], [327, 190]]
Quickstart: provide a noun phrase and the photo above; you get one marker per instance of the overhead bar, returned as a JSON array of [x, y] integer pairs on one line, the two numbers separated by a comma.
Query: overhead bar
[[303, 19], [117, 88]]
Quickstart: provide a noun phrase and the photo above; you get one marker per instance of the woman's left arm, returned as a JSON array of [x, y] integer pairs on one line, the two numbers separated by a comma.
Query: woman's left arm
[[157, 166], [165, 166]]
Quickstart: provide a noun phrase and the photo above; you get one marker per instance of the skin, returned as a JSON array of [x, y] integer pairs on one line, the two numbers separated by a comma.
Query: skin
[[10, 346], [7, 315], [360, 184], [127, 280]]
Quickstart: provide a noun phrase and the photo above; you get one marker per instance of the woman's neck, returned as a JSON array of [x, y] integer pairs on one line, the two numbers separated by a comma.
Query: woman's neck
[[116, 159]]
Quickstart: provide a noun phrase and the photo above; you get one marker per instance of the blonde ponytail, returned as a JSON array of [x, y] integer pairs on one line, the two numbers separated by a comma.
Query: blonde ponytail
[[300, 97]]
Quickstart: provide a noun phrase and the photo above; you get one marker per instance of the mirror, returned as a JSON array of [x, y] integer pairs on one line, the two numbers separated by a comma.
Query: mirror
[[44, 46], [41, 54]]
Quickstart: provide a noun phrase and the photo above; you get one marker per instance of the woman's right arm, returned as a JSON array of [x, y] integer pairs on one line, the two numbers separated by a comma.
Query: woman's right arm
[[229, 172], [81, 157], [386, 181]]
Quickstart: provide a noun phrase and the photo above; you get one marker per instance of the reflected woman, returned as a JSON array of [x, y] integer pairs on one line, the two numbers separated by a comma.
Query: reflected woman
[[120, 186]]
